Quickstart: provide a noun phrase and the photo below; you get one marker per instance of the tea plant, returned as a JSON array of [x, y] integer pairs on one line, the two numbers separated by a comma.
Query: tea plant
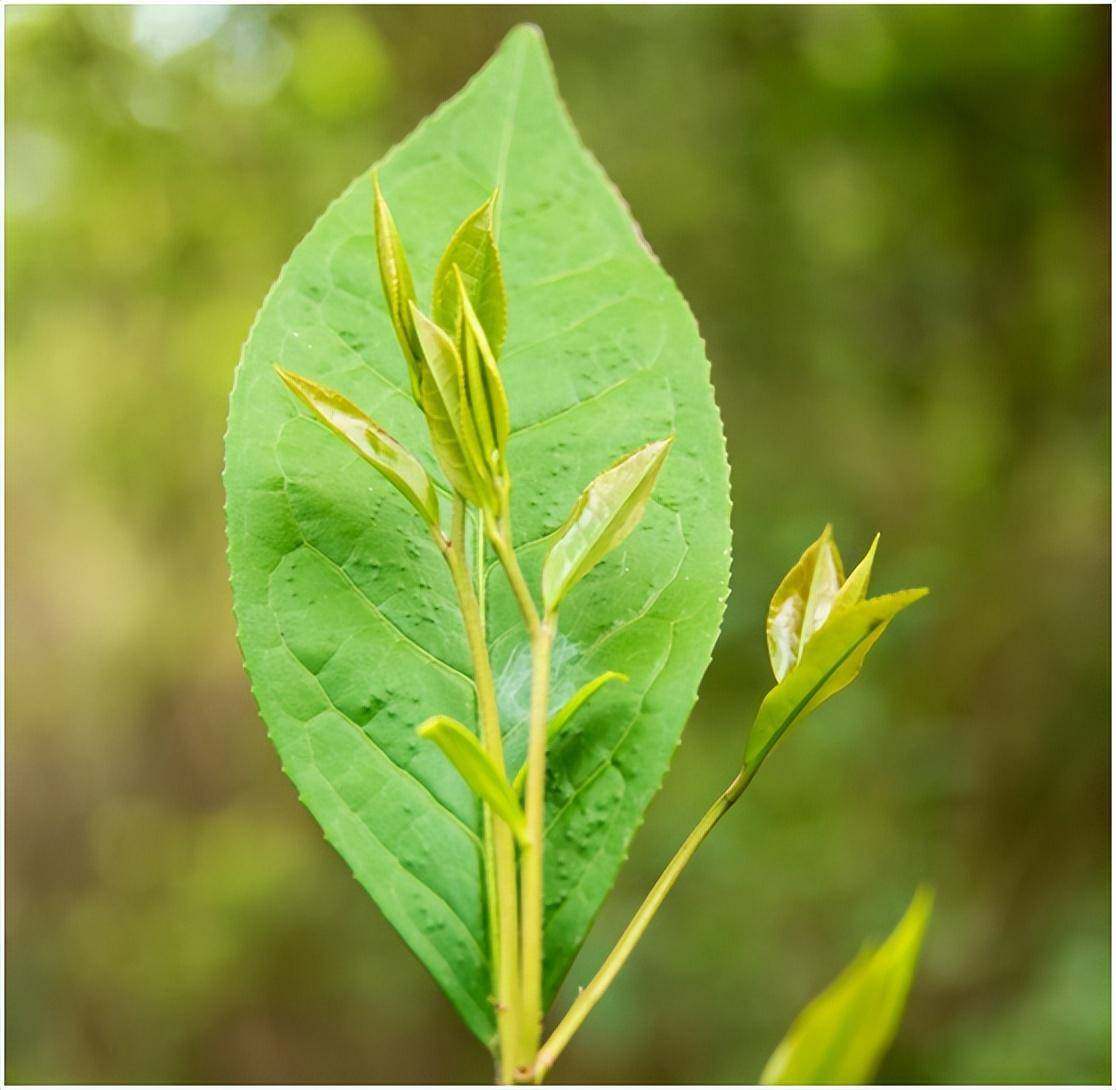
[[476, 662]]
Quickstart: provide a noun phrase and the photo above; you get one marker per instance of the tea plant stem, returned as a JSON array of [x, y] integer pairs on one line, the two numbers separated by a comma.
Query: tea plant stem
[[589, 996], [502, 860], [491, 891], [501, 538], [531, 856], [541, 631], [479, 570]]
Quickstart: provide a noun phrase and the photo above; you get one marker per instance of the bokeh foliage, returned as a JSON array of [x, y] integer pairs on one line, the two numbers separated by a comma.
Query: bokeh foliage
[[892, 225]]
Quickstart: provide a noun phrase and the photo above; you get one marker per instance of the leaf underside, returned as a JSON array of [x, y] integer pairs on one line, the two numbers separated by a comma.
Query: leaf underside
[[345, 613]]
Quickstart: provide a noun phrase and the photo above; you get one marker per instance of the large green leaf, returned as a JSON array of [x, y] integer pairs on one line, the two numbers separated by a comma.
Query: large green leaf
[[345, 612]]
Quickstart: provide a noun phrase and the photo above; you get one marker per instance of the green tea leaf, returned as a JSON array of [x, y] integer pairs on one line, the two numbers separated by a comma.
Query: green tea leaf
[[802, 602], [452, 429], [473, 250], [567, 712], [488, 402], [605, 514], [475, 767], [851, 593], [369, 440], [397, 285], [855, 588], [830, 661], [573, 705], [842, 1035], [346, 616]]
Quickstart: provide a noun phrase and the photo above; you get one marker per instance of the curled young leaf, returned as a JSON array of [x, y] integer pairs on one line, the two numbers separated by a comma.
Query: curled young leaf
[[802, 602], [567, 712], [475, 767], [830, 661], [488, 402], [604, 515], [841, 1035], [473, 250], [369, 440], [444, 402], [399, 288]]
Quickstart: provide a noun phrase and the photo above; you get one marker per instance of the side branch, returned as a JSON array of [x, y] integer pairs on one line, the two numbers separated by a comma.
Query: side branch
[[596, 988]]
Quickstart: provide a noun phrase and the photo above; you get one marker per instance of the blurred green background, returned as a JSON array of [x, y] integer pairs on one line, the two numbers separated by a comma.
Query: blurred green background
[[893, 227]]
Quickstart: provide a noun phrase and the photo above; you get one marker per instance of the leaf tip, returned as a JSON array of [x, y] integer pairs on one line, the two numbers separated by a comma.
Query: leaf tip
[[381, 212], [428, 727], [294, 382], [660, 448], [922, 903], [526, 32]]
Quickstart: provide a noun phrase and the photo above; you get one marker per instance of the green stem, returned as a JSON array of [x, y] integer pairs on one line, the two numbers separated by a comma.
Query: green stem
[[479, 569], [590, 995], [541, 632], [501, 539], [492, 899], [531, 855], [502, 859]]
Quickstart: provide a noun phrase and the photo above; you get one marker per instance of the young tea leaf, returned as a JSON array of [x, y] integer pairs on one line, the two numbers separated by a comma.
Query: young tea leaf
[[475, 767], [605, 514], [855, 588], [842, 1035], [369, 440], [344, 607], [567, 712], [573, 705], [473, 250], [398, 287], [452, 428], [802, 602], [488, 402], [830, 661]]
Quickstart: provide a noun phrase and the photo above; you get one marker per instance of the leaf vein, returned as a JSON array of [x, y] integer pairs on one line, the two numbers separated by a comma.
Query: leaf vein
[[380, 749]]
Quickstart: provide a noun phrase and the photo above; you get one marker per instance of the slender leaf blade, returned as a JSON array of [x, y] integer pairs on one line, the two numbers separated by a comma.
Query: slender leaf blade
[[444, 400], [561, 718], [397, 285], [855, 587], [842, 1035], [605, 514], [473, 250], [488, 395], [369, 440], [465, 753], [574, 704]]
